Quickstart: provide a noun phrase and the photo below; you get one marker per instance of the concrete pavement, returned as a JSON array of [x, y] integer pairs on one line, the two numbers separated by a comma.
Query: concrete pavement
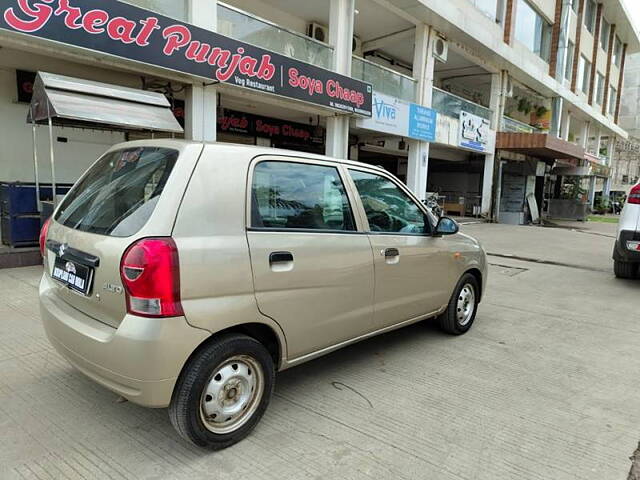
[[543, 387]]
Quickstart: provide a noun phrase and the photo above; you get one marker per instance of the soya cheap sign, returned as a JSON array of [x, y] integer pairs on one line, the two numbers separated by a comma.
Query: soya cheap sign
[[130, 32]]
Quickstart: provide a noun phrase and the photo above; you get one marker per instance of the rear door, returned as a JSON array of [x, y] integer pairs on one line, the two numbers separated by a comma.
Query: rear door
[[313, 269], [413, 270], [129, 193]]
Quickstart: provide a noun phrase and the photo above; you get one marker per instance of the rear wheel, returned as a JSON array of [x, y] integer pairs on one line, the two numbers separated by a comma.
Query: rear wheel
[[625, 269], [463, 306], [223, 392]]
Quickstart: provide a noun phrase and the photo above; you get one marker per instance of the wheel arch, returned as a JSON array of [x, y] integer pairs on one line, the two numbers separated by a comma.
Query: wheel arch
[[262, 332]]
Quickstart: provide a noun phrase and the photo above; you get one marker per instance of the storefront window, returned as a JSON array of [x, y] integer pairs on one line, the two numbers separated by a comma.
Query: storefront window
[[533, 30], [171, 8]]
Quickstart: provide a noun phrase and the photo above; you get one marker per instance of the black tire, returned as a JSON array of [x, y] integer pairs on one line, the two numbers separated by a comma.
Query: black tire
[[625, 269], [186, 410], [449, 321]]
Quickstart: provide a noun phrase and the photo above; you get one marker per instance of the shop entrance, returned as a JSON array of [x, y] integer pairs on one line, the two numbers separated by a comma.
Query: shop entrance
[[456, 177], [396, 165]]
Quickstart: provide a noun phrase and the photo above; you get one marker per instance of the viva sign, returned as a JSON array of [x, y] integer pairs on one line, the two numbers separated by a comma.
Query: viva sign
[[126, 31], [398, 117]]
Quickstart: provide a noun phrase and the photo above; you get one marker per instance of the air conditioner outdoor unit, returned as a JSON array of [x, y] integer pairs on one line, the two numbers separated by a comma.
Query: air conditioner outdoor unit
[[356, 46], [440, 47], [318, 32], [508, 89], [321, 33]]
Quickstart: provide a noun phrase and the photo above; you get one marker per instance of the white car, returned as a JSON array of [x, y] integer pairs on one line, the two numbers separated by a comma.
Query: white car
[[626, 254]]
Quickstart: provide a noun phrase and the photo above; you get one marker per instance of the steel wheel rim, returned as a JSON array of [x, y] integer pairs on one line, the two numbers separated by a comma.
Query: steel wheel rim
[[232, 394], [466, 305]]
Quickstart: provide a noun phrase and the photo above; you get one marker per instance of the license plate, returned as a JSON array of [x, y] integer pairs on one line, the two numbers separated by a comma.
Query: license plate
[[74, 275]]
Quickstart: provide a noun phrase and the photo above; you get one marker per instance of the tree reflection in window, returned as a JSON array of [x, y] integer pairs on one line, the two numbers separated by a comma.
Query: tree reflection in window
[[300, 196]]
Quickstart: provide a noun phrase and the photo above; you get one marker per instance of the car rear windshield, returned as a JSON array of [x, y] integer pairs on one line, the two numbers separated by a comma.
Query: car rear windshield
[[119, 193]]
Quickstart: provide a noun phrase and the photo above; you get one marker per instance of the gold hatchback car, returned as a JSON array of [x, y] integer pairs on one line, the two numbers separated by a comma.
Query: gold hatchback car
[[184, 275]]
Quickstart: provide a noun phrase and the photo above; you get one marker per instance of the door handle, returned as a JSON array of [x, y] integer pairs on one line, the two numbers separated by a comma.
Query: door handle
[[280, 257], [391, 252]]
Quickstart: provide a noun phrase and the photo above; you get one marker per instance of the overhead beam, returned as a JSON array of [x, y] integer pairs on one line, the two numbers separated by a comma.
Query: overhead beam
[[390, 39]]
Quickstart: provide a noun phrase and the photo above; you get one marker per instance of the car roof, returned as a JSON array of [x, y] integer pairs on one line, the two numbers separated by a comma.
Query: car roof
[[250, 150]]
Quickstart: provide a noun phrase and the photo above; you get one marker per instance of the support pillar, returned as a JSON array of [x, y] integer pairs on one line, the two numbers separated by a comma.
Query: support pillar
[[341, 13], [423, 67], [598, 142], [557, 111], [496, 103], [611, 151], [201, 102], [586, 132], [592, 191], [565, 127]]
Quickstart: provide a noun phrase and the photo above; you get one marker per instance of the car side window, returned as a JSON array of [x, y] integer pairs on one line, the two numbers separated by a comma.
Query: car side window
[[389, 209], [288, 195]]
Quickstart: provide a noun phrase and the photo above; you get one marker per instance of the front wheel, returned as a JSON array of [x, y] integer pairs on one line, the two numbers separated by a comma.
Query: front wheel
[[463, 306], [223, 392]]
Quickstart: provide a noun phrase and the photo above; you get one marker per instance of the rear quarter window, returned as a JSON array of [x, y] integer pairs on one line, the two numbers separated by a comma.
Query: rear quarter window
[[119, 193], [288, 195]]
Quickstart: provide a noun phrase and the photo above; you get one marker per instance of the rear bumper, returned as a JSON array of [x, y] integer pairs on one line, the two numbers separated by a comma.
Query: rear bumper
[[621, 253], [140, 360]]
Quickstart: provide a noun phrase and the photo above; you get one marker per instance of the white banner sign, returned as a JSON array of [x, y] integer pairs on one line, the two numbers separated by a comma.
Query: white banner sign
[[475, 132], [401, 118]]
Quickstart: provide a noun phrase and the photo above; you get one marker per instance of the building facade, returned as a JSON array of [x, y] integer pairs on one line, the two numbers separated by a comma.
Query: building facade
[[626, 167], [491, 104]]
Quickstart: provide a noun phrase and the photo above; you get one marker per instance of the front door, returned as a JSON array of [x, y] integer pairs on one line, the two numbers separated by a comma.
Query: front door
[[313, 270], [413, 273]]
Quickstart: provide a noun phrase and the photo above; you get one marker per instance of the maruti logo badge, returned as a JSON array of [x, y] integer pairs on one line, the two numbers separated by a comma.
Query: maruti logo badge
[[62, 250]]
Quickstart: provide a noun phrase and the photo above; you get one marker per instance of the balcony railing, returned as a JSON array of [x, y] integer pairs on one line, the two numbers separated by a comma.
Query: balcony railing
[[514, 126], [172, 8], [384, 80], [248, 28], [451, 105]]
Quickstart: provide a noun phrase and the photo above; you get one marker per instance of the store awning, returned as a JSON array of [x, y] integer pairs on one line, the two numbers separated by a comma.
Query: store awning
[[83, 103], [539, 145]]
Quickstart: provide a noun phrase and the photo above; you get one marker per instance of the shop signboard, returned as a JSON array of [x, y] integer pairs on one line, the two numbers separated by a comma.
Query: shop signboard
[[232, 121], [422, 123], [474, 132], [399, 117], [126, 31]]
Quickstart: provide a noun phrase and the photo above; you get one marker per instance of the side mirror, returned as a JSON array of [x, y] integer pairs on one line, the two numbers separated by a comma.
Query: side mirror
[[446, 226]]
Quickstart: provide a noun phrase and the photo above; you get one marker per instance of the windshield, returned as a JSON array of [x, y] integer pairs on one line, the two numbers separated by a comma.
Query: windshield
[[119, 193]]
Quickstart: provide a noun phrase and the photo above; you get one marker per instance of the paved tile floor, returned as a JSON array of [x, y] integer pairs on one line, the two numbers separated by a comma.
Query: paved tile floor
[[544, 387]]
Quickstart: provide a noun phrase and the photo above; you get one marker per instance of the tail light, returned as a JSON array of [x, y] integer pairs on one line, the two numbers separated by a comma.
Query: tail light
[[634, 195], [43, 236], [633, 245], [150, 274]]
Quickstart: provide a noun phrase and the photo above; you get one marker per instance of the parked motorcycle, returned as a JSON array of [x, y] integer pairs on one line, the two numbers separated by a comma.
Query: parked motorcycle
[[431, 201]]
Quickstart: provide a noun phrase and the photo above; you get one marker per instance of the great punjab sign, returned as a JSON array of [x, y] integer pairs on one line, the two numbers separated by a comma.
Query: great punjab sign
[[126, 31]]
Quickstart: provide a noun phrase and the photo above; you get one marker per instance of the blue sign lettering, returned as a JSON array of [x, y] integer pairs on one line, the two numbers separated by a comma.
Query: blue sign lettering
[[422, 123]]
